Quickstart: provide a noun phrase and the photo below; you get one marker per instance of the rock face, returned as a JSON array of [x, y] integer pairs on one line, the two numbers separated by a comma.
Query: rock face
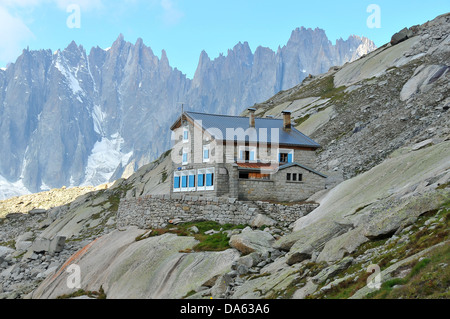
[[63, 113], [152, 268]]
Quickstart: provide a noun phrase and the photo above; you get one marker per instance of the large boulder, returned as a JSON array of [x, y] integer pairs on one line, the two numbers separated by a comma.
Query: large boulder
[[422, 78], [401, 36], [51, 246], [249, 241]]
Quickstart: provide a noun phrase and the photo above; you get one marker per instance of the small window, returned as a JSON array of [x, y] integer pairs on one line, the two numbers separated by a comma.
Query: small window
[[286, 156], [201, 180], [288, 176], [206, 153], [300, 177], [176, 182], [185, 157], [243, 175], [247, 154], [294, 177], [191, 181], [184, 180], [209, 179], [185, 134]]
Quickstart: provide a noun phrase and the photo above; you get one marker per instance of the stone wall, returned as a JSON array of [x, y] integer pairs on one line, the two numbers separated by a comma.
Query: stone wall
[[156, 211], [279, 189]]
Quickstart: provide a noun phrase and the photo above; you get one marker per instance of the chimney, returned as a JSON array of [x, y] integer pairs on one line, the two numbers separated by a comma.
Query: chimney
[[286, 120], [252, 116]]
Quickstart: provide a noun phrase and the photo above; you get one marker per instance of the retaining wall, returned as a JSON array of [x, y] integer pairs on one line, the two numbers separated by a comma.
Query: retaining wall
[[156, 211]]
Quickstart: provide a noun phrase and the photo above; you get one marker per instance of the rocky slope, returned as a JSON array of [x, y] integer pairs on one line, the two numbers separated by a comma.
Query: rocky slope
[[72, 117], [383, 122]]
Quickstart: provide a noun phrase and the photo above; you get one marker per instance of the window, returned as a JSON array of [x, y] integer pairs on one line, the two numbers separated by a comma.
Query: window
[[243, 175], [201, 180], [286, 156], [191, 181], [247, 154], [185, 157], [185, 134], [210, 179], [184, 181], [206, 153], [294, 177], [205, 179], [176, 182]]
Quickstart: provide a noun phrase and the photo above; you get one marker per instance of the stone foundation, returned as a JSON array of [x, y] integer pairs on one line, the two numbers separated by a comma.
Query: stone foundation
[[156, 211]]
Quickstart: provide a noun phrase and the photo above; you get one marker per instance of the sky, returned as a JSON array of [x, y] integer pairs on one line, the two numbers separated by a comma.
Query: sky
[[183, 28]]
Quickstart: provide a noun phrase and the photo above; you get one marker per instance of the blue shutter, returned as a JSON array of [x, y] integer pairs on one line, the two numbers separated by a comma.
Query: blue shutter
[[191, 180], [241, 155], [200, 180], [176, 183], [206, 153], [252, 155], [184, 181], [279, 157], [209, 179], [186, 135], [290, 158], [185, 155]]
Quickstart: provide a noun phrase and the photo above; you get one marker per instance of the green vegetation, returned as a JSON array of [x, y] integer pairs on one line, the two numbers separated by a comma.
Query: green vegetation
[[323, 88], [91, 294], [10, 244], [302, 119], [214, 242], [164, 176], [427, 278], [190, 293], [311, 269]]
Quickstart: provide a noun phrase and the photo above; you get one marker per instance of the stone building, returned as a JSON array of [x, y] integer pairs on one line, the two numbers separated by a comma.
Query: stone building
[[247, 158]]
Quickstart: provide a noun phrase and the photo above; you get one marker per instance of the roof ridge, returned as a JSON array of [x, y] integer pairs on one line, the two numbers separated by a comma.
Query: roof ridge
[[235, 116]]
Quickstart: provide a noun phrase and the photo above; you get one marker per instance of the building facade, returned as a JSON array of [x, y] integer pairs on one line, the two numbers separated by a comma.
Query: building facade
[[246, 158]]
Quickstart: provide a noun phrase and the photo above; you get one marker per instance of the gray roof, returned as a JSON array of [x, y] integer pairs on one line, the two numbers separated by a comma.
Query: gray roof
[[217, 126]]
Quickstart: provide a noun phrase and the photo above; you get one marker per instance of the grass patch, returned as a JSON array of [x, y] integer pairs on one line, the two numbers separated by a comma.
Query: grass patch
[[214, 242], [81, 292], [190, 293], [164, 176], [323, 88], [302, 120], [429, 279]]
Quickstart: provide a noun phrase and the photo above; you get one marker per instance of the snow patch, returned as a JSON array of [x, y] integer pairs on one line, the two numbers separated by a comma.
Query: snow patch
[[98, 116], [106, 156], [9, 190], [72, 81], [44, 187]]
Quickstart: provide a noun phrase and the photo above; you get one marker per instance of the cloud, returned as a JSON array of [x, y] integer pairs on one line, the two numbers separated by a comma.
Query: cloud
[[13, 36], [171, 14]]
